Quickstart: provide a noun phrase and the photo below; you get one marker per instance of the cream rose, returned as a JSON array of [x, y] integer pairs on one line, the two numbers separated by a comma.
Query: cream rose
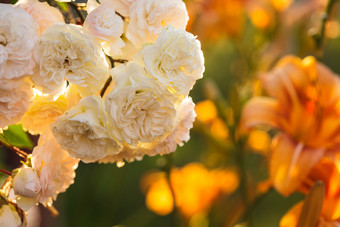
[[44, 14], [15, 97], [82, 131], [26, 186], [184, 122], [148, 17], [52, 172], [186, 117], [42, 113], [106, 26], [175, 60], [19, 34], [128, 154], [68, 52], [140, 110], [55, 168]]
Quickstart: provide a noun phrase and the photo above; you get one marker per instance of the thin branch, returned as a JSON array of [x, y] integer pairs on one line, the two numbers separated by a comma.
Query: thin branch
[[106, 85], [6, 172], [19, 152]]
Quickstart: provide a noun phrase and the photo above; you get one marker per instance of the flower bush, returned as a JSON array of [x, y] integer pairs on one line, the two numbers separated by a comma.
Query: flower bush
[[88, 84]]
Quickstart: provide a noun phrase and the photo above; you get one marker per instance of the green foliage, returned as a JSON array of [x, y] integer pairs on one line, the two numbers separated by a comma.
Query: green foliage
[[63, 6], [16, 136]]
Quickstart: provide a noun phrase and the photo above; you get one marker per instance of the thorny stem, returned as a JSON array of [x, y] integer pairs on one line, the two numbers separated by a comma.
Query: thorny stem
[[6, 172], [320, 37], [19, 152]]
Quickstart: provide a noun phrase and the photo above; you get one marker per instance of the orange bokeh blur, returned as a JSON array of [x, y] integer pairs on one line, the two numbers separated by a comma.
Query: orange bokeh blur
[[195, 189]]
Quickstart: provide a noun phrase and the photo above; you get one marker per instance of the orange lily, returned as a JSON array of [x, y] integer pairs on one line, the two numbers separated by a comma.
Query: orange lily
[[328, 172], [305, 106]]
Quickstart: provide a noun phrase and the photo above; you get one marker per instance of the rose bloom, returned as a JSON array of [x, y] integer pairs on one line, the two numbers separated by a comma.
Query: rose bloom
[[19, 35], [56, 169], [304, 104], [128, 153], [26, 186], [15, 97], [42, 113], [186, 117], [44, 14], [68, 52], [175, 60], [139, 109], [106, 26], [82, 131], [148, 17], [52, 172]]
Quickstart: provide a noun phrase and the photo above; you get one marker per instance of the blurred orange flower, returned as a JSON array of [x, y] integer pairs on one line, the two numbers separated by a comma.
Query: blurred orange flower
[[328, 172], [207, 113], [305, 106], [195, 189], [211, 19]]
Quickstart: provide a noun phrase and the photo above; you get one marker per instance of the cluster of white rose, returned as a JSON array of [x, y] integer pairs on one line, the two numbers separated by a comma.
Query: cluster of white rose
[[52, 78]]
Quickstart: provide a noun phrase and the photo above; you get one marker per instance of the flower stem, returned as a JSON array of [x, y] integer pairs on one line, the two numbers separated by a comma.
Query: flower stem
[[109, 80], [6, 172], [320, 37], [19, 152], [106, 85]]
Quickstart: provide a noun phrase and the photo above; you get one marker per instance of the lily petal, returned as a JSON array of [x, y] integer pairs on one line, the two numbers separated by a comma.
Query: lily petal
[[290, 163], [260, 111]]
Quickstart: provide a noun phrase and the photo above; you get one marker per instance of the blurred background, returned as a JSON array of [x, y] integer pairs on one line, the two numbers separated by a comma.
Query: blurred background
[[218, 178]]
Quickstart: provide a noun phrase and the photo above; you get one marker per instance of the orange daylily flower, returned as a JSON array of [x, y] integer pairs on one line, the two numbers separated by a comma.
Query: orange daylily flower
[[304, 104], [328, 172]]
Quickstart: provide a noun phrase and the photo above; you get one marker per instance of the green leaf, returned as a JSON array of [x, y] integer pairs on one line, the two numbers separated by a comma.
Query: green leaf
[[16, 136], [63, 6]]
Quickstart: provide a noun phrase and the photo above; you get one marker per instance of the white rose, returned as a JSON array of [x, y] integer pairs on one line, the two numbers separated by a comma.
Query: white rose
[[68, 52], [128, 154], [43, 13], [55, 168], [140, 110], [15, 97], [82, 131], [175, 60], [9, 216], [186, 117], [106, 26], [26, 186], [19, 34], [148, 17], [26, 183]]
